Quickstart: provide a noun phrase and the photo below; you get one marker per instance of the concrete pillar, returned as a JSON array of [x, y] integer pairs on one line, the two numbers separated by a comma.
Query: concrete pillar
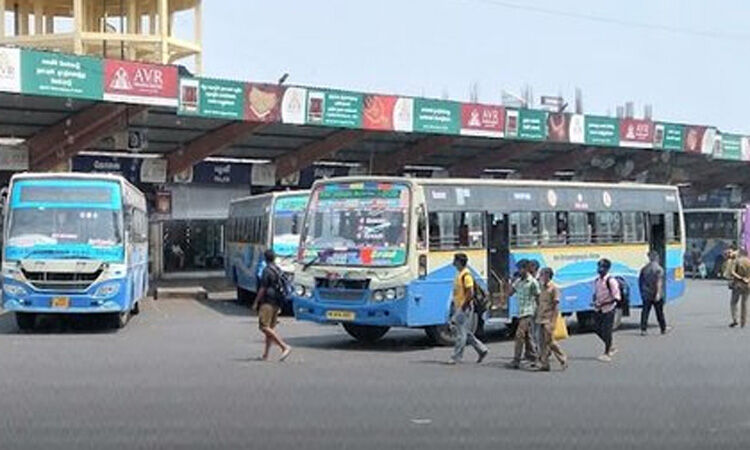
[[132, 27], [2, 19], [23, 19], [38, 17], [77, 26], [164, 31], [49, 26], [198, 35]]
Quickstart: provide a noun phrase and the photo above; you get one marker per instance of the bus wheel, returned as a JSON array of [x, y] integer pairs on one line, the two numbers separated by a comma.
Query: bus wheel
[[585, 320], [25, 321], [440, 335], [119, 320], [618, 319], [136, 308], [365, 333]]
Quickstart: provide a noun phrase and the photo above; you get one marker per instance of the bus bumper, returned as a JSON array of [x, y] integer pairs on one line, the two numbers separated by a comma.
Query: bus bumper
[[385, 314], [103, 297]]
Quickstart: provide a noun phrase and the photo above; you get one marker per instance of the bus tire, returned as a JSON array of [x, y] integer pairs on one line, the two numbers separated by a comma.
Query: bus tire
[[119, 320], [618, 319], [25, 321], [442, 335], [585, 320], [136, 308], [365, 333]]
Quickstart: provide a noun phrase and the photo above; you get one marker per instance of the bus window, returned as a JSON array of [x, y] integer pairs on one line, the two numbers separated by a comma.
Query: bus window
[[554, 228], [524, 228], [450, 230], [672, 225], [421, 228], [608, 227], [579, 231], [633, 227]]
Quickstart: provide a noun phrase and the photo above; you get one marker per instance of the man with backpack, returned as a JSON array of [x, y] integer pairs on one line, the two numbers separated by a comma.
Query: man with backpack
[[273, 291], [606, 297], [651, 284], [463, 312]]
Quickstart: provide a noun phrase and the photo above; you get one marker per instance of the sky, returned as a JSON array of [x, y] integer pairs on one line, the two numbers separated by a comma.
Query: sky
[[687, 58]]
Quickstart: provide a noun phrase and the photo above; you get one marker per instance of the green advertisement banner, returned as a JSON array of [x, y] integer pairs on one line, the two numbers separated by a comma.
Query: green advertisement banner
[[61, 75], [334, 108], [437, 116], [731, 147], [532, 125], [602, 131], [669, 136], [221, 99]]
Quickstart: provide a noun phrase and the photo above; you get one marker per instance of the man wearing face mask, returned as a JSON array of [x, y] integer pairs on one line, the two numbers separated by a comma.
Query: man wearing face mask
[[606, 295]]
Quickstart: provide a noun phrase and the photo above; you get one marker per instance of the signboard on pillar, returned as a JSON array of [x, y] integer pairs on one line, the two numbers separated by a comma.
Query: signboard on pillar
[[163, 202], [263, 174], [154, 170], [10, 70], [146, 84], [14, 158], [58, 74]]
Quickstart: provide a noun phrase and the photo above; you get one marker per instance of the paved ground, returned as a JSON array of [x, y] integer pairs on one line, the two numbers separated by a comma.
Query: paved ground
[[181, 375]]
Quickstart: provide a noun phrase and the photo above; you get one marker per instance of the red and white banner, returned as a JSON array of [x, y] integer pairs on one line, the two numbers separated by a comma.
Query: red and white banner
[[636, 133], [482, 120], [147, 84]]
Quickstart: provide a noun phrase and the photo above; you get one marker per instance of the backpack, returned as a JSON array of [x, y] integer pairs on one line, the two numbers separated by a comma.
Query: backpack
[[479, 298], [624, 301], [282, 286]]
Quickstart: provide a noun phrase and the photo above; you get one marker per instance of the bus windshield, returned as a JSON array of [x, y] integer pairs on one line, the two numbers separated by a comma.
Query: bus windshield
[[65, 218], [357, 224], [288, 213]]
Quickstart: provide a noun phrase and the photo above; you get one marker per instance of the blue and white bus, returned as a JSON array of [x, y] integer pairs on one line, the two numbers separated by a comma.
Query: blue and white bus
[[74, 243], [376, 253], [255, 224]]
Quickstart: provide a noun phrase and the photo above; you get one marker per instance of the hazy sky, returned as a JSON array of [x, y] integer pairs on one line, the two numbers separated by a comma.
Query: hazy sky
[[689, 58]]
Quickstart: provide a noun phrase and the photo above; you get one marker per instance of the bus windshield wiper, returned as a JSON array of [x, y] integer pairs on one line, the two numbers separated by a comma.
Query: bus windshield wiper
[[321, 254]]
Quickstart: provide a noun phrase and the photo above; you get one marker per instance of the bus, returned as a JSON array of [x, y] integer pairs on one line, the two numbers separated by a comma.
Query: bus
[[255, 224], [710, 232], [377, 253], [74, 243]]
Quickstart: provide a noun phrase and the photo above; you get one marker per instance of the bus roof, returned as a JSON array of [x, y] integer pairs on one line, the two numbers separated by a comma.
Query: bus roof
[[713, 210], [270, 195], [494, 182]]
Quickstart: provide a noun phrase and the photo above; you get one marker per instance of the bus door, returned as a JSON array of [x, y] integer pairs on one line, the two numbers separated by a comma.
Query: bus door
[[658, 240], [498, 260]]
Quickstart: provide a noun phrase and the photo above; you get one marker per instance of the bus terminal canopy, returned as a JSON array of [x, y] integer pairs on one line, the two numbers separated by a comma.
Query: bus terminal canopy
[[55, 106]]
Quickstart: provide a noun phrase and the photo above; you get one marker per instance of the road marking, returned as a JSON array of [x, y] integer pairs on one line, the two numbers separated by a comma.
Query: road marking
[[421, 421]]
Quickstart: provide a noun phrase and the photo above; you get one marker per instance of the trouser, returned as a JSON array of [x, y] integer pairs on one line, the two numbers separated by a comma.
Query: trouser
[[739, 295], [461, 325], [646, 311], [523, 338], [604, 323], [536, 339], [549, 344]]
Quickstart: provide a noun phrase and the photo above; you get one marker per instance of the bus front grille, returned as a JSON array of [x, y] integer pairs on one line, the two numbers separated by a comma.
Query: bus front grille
[[342, 295], [61, 281]]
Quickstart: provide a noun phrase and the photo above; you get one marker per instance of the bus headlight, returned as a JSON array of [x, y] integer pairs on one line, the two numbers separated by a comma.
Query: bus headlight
[[378, 296], [14, 290], [395, 293], [303, 291], [107, 290], [390, 294], [12, 271]]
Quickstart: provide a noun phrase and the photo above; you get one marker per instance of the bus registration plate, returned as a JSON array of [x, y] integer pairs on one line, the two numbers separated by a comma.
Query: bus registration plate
[[340, 315], [61, 302]]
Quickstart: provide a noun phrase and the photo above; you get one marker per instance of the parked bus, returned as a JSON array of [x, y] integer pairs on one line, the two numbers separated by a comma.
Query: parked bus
[[377, 253], [711, 231], [74, 243], [255, 224]]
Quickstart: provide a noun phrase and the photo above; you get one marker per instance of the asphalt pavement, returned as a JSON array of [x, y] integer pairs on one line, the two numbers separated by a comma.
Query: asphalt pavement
[[182, 374]]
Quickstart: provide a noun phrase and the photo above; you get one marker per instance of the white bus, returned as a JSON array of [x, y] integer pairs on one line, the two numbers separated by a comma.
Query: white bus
[[74, 243], [255, 224], [377, 252]]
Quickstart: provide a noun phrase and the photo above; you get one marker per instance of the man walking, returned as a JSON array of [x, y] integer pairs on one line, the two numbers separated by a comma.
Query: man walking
[[740, 273], [651, 285], [526, 289], [463, 312], [268, 304], [606, 296], [546, 318]]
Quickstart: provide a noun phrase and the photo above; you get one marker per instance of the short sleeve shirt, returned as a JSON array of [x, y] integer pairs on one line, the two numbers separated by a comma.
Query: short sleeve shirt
[[549, 299], [648, 280], [527, 290], [461, 284], [269, 281]]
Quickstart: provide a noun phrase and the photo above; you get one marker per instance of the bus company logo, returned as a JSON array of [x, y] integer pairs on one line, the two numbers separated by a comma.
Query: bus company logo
[[607, 199], [525, 196], [552, 198], [580, 203]]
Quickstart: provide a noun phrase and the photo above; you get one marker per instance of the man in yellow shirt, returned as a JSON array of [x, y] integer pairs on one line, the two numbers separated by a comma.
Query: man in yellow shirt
[[463, 312]]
